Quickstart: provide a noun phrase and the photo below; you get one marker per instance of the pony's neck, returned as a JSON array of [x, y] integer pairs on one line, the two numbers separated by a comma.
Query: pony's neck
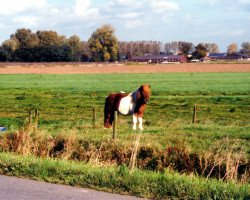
[[135, 95]]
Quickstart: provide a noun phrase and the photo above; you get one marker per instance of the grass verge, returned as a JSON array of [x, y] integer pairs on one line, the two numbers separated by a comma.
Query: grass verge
[[140, 183]]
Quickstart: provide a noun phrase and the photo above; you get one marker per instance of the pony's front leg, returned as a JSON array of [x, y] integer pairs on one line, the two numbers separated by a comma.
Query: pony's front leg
[[140, 123], [134, 122]]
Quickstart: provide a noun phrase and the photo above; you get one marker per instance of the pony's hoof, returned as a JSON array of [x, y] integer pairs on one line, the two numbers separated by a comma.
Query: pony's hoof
[[141, 129]]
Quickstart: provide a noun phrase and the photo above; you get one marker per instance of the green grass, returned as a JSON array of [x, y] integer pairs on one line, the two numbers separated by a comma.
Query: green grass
[[173, 83], [65, 103], [146, 184]]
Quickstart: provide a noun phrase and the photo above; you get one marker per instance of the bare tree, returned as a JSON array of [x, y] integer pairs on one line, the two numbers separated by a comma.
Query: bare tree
[[186, 47], [200, 51], [232, 48], [172, 47], [212, 47], [85, 51], [245, 48]]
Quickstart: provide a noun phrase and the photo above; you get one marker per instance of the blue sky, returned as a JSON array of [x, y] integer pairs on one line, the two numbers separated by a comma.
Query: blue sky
[[220, 21]]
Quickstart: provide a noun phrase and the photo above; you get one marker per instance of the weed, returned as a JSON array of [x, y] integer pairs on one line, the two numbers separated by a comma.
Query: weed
[[152, 185], [223, 163]]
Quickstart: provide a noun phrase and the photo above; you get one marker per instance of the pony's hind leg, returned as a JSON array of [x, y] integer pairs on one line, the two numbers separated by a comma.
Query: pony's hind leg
[[107, 121], [108, 116]]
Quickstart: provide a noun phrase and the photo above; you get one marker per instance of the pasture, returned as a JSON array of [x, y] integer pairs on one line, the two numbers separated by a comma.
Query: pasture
[[66, 103]]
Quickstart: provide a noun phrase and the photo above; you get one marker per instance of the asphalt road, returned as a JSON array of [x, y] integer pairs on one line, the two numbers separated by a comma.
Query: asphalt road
[[12, 188]]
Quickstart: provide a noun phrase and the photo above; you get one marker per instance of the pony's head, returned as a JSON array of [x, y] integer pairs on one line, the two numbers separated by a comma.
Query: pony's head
[[145, 93]]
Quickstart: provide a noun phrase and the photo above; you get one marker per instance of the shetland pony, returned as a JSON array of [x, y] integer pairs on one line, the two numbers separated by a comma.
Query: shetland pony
[[133, 103]]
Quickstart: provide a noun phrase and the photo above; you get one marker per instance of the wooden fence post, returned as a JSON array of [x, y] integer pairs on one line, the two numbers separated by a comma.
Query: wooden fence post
[[94, 118], [134, 153], [115, 125], [194, 115], [36, 118], [30, 117]]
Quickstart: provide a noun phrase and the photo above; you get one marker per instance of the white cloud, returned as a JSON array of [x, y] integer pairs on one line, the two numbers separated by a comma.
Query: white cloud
[[3, 26], [161, 6], [209, 2], [135, 14], [82, 8], [129, 15], [26, 21], [11, 7], [236, 33], [130, 24], [125, 3], [244, 2], [224, 3], [133, 19]]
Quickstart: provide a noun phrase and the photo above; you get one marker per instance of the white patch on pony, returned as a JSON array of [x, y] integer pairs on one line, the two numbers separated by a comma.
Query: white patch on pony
[[122, 92], [126, 106]]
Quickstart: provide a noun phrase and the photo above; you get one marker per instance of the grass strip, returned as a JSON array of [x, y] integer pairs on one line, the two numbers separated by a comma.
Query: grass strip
[[139, 183]]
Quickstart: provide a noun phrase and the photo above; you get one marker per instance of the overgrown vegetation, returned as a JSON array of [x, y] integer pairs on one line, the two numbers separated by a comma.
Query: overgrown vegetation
[[167, 185], [223, 163]]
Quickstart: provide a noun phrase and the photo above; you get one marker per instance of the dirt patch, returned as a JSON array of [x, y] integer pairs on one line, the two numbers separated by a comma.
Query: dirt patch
[[94, 68]]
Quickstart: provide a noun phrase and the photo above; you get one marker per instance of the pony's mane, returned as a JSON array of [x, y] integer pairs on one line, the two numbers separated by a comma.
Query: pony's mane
[[134, 95], [137, 93]]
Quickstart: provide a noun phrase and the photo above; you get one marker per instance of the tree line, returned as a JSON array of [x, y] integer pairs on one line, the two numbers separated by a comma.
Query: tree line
[[49, 46]]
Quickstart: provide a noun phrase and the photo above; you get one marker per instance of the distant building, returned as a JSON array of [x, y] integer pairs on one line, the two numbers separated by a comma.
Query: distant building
[[237, 56], [216, 56], [225, 56], [159, 58]]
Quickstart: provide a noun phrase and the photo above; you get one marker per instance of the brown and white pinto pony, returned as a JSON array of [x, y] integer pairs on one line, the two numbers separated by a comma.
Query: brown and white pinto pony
[[133, 103]]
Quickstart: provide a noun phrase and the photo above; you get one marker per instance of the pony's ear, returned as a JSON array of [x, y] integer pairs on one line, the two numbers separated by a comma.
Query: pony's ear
[[149, 86]]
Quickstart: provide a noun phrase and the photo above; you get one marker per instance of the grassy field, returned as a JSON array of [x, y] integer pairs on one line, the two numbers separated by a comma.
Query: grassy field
[[153, 185], [65, 103]]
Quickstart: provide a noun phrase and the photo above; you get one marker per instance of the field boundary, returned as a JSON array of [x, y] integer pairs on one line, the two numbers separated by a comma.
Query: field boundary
[[107, 68]]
